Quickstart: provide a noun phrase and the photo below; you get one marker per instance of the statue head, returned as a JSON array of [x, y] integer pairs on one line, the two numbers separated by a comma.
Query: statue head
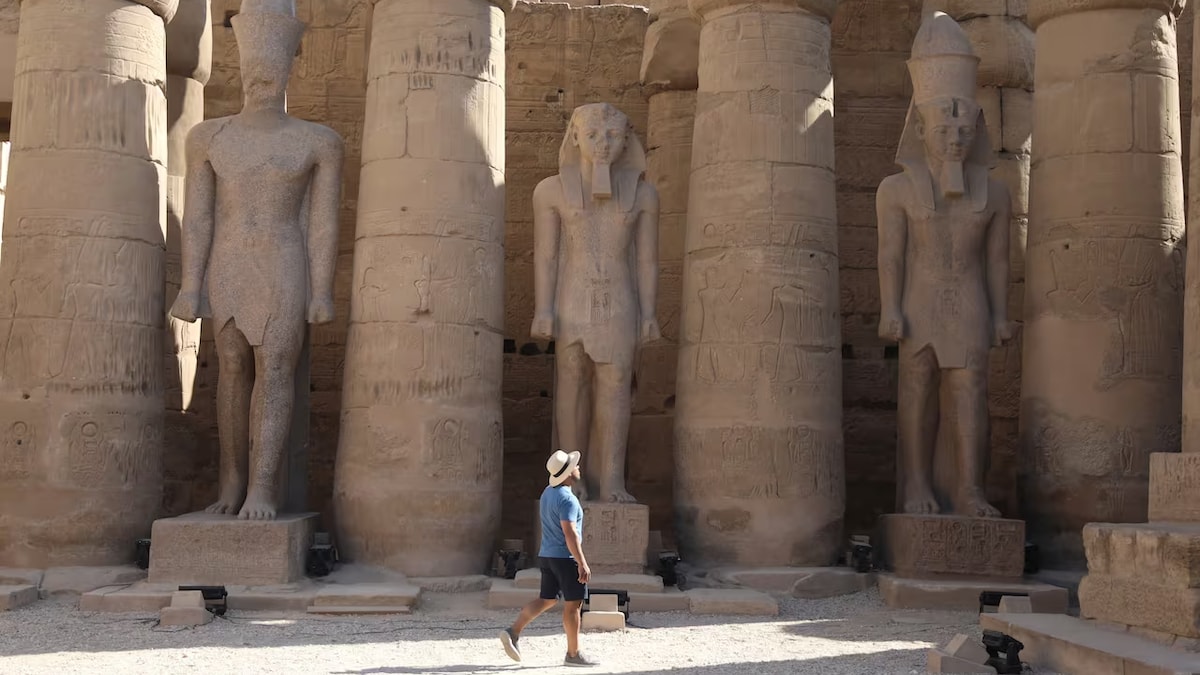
[[268, 36], [945, 125], [602, 136]]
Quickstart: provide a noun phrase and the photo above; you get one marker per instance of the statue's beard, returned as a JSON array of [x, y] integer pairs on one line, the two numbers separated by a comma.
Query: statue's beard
[[952, 180], [601, 180]]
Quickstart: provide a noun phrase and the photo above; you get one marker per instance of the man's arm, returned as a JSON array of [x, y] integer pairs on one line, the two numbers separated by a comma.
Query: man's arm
[[647, 250], [546, 228], [199, 213], [997, 254], [326, 197], [893, 239]]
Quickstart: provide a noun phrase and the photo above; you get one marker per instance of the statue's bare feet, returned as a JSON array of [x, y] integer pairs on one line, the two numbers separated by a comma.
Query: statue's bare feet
[[616, 495], [257, 508], [919, 499], [975, 505], [225, 505]]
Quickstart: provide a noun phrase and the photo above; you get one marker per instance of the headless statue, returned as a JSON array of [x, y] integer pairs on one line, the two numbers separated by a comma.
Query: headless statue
[[596, 278], [252, 261], [943, 269]]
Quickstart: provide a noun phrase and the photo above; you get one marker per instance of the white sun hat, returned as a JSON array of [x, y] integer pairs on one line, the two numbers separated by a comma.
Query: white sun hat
[[560, 465]]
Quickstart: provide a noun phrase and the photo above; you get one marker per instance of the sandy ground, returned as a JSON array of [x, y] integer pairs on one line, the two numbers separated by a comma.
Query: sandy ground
[[451, 634]]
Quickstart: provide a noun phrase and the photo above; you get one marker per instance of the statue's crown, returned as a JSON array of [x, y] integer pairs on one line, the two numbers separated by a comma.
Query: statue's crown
[[943, 64], [268, 28], [287, 7]]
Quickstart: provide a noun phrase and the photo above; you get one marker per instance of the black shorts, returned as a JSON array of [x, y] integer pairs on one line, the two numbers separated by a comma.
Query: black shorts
[[561, 576]]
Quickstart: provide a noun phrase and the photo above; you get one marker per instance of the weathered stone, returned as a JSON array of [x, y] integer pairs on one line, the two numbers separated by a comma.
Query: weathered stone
[[81, 387], [599, 620], [464, 584], [939, 661], [671, 59], [1015, 604], [731, 601], [933, 547], [758, 435], [421, 432], [187, 608], [800, 582], [205, 548], [139, 597], [1101, 378], [642, 583], [346, 597]]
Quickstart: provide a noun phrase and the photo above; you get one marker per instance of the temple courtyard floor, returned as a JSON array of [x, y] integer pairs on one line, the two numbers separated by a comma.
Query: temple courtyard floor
[[453, 634]]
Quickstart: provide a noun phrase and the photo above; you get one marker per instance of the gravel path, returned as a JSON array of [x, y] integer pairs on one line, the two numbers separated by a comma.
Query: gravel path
[[849, 635]]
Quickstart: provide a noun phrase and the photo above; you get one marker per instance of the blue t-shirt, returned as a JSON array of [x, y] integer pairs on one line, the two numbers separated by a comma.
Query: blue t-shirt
[[558, 504]]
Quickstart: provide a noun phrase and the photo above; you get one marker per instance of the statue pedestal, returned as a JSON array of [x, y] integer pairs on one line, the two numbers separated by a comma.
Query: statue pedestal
[[953, 547], [616, 537], [206, 549]]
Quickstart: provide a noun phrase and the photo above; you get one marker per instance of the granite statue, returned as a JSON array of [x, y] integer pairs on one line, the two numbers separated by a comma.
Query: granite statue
[[255, 261], [943, 270], [596, 285]]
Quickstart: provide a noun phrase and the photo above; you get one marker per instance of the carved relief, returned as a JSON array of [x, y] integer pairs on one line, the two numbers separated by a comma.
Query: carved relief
[[949, 546]]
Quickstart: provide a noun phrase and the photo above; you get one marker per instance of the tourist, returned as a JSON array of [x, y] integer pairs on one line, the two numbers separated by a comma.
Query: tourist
[[565, 570]]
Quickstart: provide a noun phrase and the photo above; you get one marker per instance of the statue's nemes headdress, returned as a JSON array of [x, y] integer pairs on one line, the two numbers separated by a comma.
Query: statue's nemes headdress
[[268, 30], [944, 72], [618, 181]]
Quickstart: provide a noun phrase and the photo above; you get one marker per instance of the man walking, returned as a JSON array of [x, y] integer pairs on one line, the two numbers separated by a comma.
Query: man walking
[[565, 571]]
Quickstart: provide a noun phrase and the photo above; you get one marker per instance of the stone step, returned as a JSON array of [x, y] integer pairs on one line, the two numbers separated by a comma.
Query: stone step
[[15, 597], [732, 601], [800, 582], [963, 595], [141, 597], [1061, 643], [362, 609], [640, 583], [505, 594], [1168, 553], [388, 595]]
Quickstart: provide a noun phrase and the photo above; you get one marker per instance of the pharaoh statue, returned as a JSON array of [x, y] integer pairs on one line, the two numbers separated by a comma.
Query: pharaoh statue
[[943, 271], [596, 282], [254, 261]]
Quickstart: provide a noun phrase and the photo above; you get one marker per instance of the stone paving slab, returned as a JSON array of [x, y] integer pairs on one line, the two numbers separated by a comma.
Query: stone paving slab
[[732, 601], [15, 597], [900, 593]]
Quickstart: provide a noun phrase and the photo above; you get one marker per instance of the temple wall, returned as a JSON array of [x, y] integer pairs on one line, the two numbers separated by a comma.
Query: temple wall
[[561, 55]]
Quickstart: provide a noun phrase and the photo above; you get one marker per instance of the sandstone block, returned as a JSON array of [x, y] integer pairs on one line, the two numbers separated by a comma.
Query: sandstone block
[[616, 536], [464, 584], [83, 579], [1174, 478], [672, 55], [939, 546], [16, 576], [966, 647], [1142, 601], [186, 609], [1015, 604], [504, 594], [602, 621], [732, 601], [800, 582], [204, 548], [641, 583], [13, 597], [288, 598], [1065, 644], [1165, 554], [366, 595], [140, 597]]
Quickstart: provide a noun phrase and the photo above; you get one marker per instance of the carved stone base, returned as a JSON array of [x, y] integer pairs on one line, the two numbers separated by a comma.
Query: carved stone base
[[953, 547], [615, 537], [202, 548]]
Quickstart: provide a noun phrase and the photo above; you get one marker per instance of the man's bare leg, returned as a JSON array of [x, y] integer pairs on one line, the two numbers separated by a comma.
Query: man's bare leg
[[612, 404], [273, 401], [917, 423], [968, 390], [529, 612], [235, 382], [571, 621]]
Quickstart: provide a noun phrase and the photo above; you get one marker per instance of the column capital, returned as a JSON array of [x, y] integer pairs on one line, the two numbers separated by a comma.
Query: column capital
[[1041, 11], [705, 9], [505, 5]]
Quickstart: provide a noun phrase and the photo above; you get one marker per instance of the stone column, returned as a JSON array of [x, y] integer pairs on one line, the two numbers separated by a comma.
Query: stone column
[[1104, 269], [81, 385], [758, 432], [418, 474], [1005, 46]]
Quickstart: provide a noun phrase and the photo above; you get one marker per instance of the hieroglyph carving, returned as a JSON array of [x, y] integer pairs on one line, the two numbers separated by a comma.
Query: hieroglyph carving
[[248, 261], [943, 268], [596, 277]]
